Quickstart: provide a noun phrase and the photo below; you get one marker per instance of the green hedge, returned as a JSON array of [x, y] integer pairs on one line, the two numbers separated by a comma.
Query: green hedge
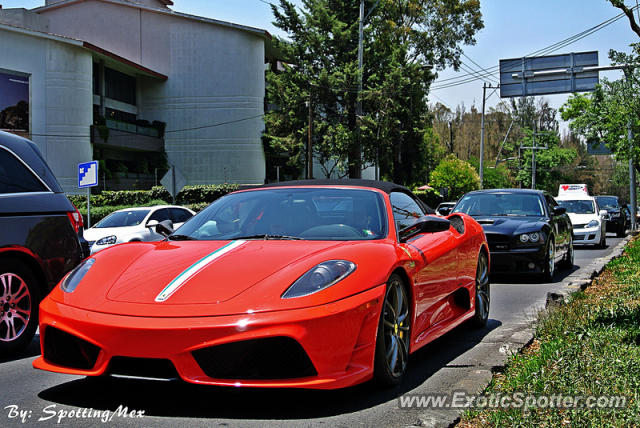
[[430, 197], [203, 193], [128, 198]]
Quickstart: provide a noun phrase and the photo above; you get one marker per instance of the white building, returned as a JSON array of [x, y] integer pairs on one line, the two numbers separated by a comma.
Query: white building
[[116, 63]]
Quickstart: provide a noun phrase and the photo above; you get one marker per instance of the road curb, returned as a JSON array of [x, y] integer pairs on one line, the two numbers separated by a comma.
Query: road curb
[[479, 378]]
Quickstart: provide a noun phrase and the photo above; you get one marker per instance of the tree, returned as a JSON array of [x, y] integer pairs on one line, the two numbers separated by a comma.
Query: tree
[[494, 177], [456, 175], [605, 114], [404, 45], [629, 13], [551, 163]]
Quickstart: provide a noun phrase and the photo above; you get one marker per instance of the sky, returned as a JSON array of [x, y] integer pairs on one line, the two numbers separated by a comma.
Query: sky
[[512, 29]]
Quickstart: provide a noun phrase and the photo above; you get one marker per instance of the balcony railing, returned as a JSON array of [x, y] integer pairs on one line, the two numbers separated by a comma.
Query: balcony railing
[[126, 138], [149, 131]]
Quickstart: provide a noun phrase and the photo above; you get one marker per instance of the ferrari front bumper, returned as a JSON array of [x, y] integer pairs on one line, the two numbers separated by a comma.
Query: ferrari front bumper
[[338, 338]]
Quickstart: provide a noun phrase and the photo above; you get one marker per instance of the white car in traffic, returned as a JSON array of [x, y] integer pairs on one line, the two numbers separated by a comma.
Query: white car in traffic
[[134, 224], [588, 220]]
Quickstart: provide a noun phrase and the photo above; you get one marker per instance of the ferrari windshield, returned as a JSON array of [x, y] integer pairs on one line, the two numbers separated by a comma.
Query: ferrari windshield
[[123, 219], [500, 204], [292, 213], [579, 206]]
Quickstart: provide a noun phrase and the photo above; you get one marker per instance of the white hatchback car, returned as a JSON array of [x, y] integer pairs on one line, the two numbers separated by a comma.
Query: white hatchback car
[[588, 220], [134, 224]]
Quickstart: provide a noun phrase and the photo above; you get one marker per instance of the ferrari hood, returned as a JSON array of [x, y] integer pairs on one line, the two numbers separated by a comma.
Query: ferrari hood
[[212, 272], [510, 225], [198, 278]]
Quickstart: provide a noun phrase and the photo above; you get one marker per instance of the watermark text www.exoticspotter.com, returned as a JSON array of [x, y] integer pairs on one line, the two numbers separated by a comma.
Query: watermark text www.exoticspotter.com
[[57, 415], [516, 400]]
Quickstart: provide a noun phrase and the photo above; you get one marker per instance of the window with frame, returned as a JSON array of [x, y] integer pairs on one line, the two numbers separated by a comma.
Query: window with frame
[[178, 215], [405, 209], [160, 215], [15, 177], [120, 86]]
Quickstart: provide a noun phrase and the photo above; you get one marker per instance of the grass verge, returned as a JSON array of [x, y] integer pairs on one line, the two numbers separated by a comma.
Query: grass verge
[[589, 347]]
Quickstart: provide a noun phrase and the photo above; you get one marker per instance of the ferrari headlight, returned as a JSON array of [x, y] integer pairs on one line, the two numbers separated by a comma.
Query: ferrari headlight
[[107, 240], [320, 277], [593, 223], [75, 276]]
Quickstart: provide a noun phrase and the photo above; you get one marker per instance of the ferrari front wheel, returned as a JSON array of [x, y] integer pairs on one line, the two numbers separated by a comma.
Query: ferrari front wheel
[[394, 329]]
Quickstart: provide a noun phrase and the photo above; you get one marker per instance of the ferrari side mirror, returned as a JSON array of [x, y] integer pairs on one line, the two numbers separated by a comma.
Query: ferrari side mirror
[[165, 227], [426, 224]]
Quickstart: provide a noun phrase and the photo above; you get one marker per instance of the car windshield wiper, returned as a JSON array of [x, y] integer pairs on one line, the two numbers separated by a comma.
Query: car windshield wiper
[[181, 238], [267, 237]]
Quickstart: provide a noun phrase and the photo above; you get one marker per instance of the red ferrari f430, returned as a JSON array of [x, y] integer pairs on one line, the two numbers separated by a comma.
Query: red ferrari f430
[[312, 284]]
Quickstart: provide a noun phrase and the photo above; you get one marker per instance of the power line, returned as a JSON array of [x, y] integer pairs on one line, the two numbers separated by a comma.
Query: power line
[[166, 132], [470, 77]]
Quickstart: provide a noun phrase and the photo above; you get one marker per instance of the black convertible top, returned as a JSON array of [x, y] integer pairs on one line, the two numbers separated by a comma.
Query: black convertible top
[[385, 186]]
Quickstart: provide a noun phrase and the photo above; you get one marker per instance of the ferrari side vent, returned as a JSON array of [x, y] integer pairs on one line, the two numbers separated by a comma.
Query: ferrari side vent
[[268, 358], [457, 222], [156, 368], [66, 350]]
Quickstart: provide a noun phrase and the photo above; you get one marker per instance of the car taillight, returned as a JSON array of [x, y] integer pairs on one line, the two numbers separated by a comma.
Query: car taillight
[[76, 219]]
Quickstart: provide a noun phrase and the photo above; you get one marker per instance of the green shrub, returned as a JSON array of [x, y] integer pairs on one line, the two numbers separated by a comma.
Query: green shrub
[[198, 207], [456, 175], [430, 197], [201, 194], [204, 193]]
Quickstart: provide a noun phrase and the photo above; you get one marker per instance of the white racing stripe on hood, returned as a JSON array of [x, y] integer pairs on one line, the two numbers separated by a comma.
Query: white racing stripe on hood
[[194, 269]]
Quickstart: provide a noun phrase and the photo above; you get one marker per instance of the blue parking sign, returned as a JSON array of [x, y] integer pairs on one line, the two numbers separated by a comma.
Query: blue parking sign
[[88, 174]]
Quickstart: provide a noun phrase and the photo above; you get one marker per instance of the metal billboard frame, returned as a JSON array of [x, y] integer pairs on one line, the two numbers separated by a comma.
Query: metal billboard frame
[[552, 74]]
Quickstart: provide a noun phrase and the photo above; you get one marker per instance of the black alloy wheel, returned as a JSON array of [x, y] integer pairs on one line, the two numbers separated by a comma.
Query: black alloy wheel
[[483, 292], [568, 259], [550, 261], [394, 334]]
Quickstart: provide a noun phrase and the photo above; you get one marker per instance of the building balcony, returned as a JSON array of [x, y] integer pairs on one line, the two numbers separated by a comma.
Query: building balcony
[[127, 136]]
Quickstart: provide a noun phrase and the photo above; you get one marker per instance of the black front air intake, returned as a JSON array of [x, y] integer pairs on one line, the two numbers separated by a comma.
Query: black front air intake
[[156, 368], [258, 359], [66, 350]]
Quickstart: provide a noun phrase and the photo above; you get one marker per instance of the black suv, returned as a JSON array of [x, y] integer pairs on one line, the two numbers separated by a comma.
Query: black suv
[[40, 240], [617, 220]]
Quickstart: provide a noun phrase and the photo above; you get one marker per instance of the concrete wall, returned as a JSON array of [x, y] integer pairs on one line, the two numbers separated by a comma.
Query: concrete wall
[[24, 18], [215, 74], [60, 98]]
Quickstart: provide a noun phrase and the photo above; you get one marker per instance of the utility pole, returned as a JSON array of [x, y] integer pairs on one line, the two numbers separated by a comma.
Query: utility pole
[[358, 149], [309, 144], [632, 178], [484, 99], [632, 168], [533, 162]]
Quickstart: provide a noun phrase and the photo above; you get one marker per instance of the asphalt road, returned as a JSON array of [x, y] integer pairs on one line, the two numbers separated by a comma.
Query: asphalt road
[[30, 397]]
